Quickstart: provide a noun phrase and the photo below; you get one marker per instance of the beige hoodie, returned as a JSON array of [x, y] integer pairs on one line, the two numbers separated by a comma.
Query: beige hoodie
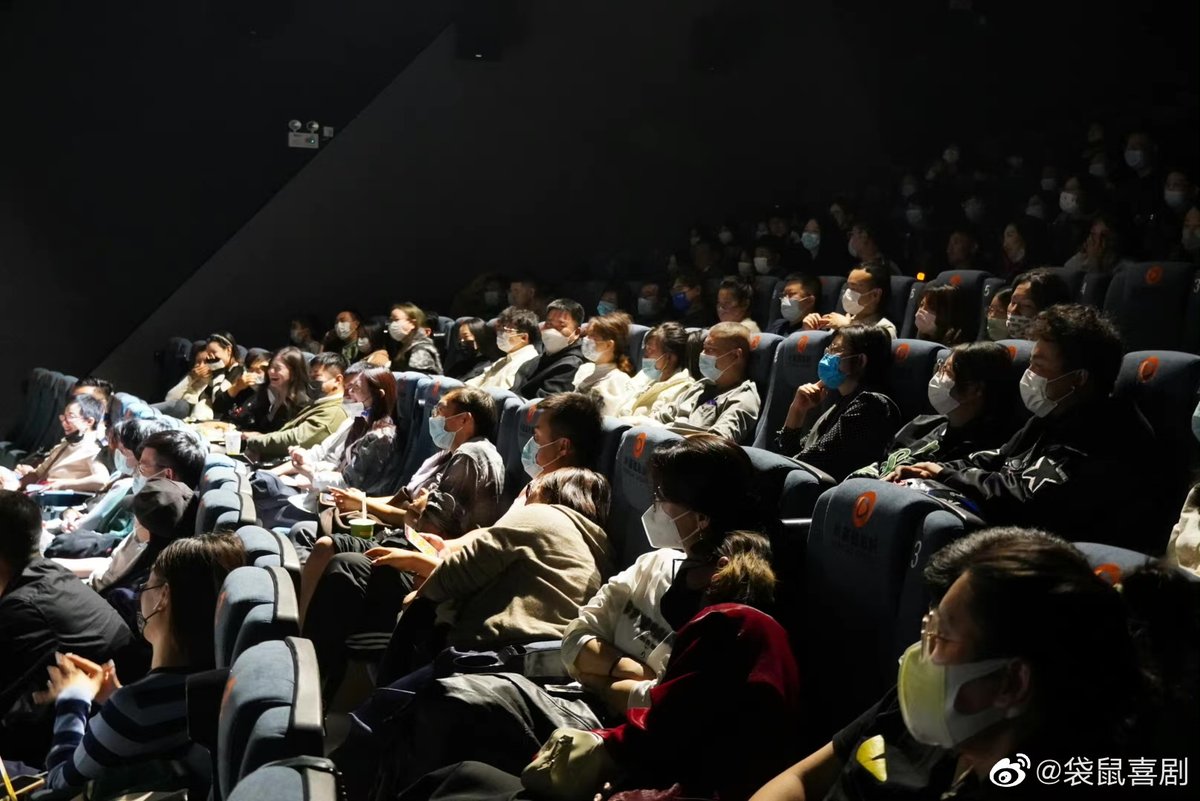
[[522, 579]]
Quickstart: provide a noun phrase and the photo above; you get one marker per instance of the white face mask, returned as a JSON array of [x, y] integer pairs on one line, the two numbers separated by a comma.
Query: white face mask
[[342, 330], [1190, 239], [554, 341], [1175, 198], [661, 530], [1049, 184], [914, 216], [1097, 169], [364, 344], [726, 237], [927, 693], [746, 268], [950, 155], [399, 329], [791, 309], [926, 321], [591, 350], [1068, 202], [507, 343], [1033, 393], [646, 307], [974, 210], [762, 265], [940, 387], [852, 301], [1135, 158], [122, 464], [907, 190], [1017, 325], [1036, 210]]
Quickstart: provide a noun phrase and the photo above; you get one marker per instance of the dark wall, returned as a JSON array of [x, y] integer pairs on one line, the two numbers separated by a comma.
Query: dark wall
[[596, 132]]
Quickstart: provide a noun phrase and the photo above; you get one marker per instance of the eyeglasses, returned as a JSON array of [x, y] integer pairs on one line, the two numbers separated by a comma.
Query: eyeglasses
[[72, 418], [931, 633], [942, 366], [141, 589]]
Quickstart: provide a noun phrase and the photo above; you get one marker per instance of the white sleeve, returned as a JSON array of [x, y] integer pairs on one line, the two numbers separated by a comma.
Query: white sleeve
[[598, 617]]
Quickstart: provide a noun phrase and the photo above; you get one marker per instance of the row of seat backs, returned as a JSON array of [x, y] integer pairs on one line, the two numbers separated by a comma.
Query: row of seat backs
[[38, 426], [309, 779]]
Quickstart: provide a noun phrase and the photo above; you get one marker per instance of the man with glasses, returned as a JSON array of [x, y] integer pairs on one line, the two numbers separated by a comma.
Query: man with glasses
[[516, 335], [799, 298], [72, 463]]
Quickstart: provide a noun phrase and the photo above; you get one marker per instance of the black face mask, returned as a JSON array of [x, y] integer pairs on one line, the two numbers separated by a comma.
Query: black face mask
[[76, 437], [680, 603], [316, 389]]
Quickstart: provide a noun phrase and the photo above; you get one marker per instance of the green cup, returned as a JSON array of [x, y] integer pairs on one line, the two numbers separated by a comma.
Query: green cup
[[362, 527]]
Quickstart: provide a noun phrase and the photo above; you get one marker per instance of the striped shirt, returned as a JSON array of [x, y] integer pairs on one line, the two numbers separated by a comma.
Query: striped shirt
[[143, 721]]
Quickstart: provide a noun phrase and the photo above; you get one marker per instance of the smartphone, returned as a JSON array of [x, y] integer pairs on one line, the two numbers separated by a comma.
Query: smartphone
[[419, 542]]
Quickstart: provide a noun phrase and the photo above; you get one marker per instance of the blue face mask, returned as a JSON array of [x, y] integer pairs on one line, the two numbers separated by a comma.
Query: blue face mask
[[604, 307], [442, 439], [680, 301], [122, 465], [811, 240], [829, 370], [650, 368], [529, 456], [709, 368]]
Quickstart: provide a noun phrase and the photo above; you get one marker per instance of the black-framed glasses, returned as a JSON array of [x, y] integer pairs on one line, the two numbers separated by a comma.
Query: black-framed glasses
[[141, 589]]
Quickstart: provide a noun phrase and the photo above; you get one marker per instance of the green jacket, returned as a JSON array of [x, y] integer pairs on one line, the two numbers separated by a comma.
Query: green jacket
[[306, 429]]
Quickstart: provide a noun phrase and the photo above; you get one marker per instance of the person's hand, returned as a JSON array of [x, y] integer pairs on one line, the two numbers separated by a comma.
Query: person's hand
[[23, 469], [299, 457], [813, 322], [919, 470], [835, 320], [66, 674], [437, 542], [109, 683], [419, 502], [52, 484], [807, 396], [200, 372], [347, 500], [70, 520], [403, 560]]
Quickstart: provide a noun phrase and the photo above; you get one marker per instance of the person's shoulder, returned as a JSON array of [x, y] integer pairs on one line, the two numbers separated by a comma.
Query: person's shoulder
[[480, 447]]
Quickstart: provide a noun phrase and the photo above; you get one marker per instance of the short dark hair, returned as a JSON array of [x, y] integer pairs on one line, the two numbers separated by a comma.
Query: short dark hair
[[479, 404], [485, 337], [225, 340], [689, 279], [133, 433], [182, 452], [742, 291], [809, 283], [331, 361], [91, 382], [521, 320], [1004, 296], [195, 568], [567, 306], [90, 408], [1046, 289], [1088, 341], [20, 529], [771, 243], [881, 279], [673, 338], [876, 344], [989, 365], [712, 476], [578, 488], [575, 416]]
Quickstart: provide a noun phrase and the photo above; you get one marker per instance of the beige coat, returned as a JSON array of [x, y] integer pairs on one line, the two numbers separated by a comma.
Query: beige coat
[[645, 398]]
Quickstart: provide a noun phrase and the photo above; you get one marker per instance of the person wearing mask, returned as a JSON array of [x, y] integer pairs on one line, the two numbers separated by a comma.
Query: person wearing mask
[[1054, 469], [1160, 233], [664, 375], [1021, 638], [944, 316], [651, 304], [997, 315], [471, 349], [350, 338], [854, 417], [797, 300], [1032, 293], [1189, 238], [44, 610], [706, 258], [517, 335], [72, 464], [1103, 249], [1020, 247], [612, 299], [408, 346], [725, 401], [972, 395], [277, 401], [146, 720], [526, 293], [314, 423], [768, 256], [562, 353], [1070, 228], [962, 250], [1183, 546], [1140, 193], [687, 300], [819, 240], [607, 371], [245, 388], [867, 293], [922, 230], [301, 333], [213, 374], [734, 298], [865, 248]]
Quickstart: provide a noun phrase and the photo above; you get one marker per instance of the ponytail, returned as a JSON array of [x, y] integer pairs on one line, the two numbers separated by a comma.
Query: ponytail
[[747, 578]]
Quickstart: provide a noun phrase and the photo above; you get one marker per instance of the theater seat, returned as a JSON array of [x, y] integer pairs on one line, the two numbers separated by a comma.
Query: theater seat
[[764, 296], [991, 286], [762, 359], [522, 424], [773, 311], [256, 604], [637, 340], [215, 460], [407, 384], [219, 508], [271, 710], [1148, 302], [1020, 351], [218, 478], [1191, 326], [505, 401], [795, 363], [1093, 288], [971, 283], [310, 779], [1073, 277], [868, 544], [420, 444], [632, 492], [831, 293], [611, 431], [902, 308], [913, 364], [270, 549]]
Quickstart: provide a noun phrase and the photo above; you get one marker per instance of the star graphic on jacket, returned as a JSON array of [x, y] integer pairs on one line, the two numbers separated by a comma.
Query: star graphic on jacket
[[1043, 471]]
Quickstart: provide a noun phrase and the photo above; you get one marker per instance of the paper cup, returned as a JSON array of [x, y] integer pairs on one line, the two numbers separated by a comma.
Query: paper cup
[[362, 526], [233, 442]]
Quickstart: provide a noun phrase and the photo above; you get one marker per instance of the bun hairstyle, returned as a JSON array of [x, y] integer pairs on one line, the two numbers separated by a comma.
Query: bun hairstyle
[[747, 578]]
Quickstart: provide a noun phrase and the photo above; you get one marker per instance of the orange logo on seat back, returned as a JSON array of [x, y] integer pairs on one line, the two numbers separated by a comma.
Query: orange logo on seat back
[[755, 340], [639, 445], [801, 344], [1147, 369], [902, 351], [532, 411], [955, 280], [1154, 275], [864, 507], [437, 388], [1012, 353]]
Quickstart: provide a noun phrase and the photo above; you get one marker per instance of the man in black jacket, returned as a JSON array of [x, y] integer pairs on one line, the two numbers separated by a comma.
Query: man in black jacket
[[44, 609], [1084, 466], [562, 341]]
